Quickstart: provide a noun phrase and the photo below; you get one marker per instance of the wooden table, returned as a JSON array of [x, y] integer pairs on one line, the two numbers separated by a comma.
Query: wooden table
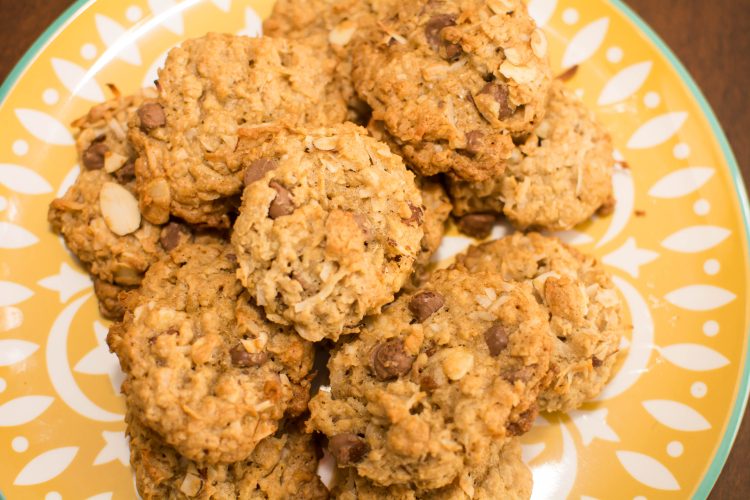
[[712, 38]]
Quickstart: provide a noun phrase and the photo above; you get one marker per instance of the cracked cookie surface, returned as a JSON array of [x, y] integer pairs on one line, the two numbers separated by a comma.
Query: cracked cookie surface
[[210, 90], [557, 178], [454, 80], [431, 386], [584, 307], [329, 228], [205, 369]]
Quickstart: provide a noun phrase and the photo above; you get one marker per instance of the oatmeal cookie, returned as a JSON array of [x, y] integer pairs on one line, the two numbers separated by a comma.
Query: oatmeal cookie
[[557, 178], [505, 476], [584, 307], [454, 80], [210, 90], [332, 27], [282, 467], [329, 228], [435, 383], [206, 370]]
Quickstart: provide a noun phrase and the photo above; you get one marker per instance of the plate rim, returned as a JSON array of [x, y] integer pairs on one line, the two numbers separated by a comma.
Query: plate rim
[[740, 404]]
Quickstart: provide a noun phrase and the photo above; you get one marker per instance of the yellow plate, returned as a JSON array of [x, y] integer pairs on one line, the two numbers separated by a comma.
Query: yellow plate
[[677, 245]]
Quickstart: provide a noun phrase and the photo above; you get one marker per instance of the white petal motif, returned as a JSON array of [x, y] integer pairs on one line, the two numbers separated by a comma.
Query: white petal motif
[[541, 10], [116, 38], [23, 180], [224, 5], [13, 293], [450, 247], [253, 24], [624, 192], [556, 479], [116, 448], [77, 81], [573, 237], [630, 258], [46, 466], [593, 425], [14, 351], [10, 318], [68, 283], [12, 236], [44, 127], [585, 43], [530, 451], [625, 83], [696, 239], [68, 181], [101, 496], [682, 182], [694, 357], [99, 361], [171, 18], [648, 470], [657, 130], [677, 416], [641, 344], [700, 297], [23, 410]]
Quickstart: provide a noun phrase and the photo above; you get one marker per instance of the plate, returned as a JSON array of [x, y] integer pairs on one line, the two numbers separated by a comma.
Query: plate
[[677, 245]]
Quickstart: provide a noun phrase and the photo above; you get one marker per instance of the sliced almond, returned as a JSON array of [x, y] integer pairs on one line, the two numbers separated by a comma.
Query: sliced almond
[[519, 74], [325, 143], [119, 209], [113, 161], [539, 43], [457, 363], [342, 34]]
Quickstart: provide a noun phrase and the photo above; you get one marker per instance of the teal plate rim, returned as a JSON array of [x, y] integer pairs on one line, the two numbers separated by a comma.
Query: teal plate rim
[[733, 425]]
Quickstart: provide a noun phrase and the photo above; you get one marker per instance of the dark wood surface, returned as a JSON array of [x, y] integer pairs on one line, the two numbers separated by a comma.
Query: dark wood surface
[[712, 38]]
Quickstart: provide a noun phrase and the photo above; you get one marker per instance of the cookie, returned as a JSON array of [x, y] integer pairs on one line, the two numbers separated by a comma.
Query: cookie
[[437, 209], [454, 80], [282, 466], [557, 178], [108, 297], [584, 307], [205, 369], [504, 476], [431, 386], [211, 89], [329, 228], [98, 217], [330, 27]]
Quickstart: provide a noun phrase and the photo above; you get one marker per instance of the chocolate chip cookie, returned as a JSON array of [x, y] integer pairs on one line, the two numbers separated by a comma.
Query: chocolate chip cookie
[[329, 228], [505, 477], [205, 369], [436, 382], [330, 27], [282, 466], [584, 308], [558, 177], [98, 217], [454, 80], [211, 89]]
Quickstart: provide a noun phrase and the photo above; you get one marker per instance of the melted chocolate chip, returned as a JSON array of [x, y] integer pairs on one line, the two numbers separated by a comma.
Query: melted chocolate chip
[[347, 449], [243, 359], [477, 225], [152, 116], [496, 338], [282, 204], [500, 94], [433, 32], [93, 157], [390, 360], [416, 217], [258, 169], [425, 304], [172, 234]]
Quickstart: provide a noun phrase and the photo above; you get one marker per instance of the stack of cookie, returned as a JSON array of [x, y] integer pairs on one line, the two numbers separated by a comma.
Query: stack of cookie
[[280, 196]]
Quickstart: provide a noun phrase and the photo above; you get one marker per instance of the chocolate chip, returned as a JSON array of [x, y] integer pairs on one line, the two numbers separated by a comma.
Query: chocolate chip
[[390, 360], [424, 304], [596, 362], [524, 422], [125, 174], [427, 383], [243, 359], [258, 169], [523, 374], [500, 94], [93, 157], [281, 205], [152, 116], [416, 217], [347, 449], [433, 32], [477, 225], [496, 338], [473, 142], [171, 235]]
